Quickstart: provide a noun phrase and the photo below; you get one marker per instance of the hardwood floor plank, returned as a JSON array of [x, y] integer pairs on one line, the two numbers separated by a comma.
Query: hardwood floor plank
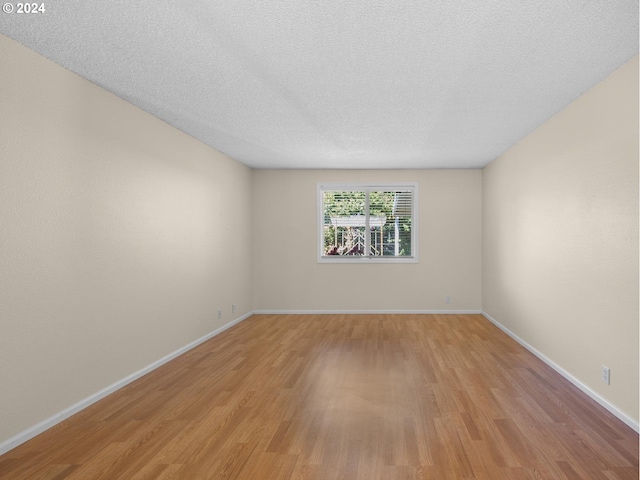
[[340, 397]]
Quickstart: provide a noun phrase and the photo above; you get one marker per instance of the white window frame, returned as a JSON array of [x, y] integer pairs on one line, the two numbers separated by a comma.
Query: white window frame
[[367, 187]]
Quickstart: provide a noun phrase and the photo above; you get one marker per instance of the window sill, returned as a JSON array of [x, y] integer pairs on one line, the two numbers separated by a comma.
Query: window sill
[[365, 260]]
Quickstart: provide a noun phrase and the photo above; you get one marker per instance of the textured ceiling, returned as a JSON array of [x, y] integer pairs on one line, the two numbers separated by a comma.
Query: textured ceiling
[[341, 84]]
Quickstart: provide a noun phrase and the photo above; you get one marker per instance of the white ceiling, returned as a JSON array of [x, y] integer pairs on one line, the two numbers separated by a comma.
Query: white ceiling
[[341, 84]]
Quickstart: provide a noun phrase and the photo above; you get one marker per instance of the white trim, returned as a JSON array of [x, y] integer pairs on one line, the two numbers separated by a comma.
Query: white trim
[[46, 424], [627, 419], [31, 432], [370, 312], [358, 186], [364, 260]]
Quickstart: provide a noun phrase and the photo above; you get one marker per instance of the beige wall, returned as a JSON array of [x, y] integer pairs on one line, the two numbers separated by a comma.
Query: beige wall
[[288, 277], [117, 239], [560, 238]]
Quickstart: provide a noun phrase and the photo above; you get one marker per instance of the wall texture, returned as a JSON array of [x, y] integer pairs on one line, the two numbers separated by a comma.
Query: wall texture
[[288, 277], [118, 239], [560, 238]]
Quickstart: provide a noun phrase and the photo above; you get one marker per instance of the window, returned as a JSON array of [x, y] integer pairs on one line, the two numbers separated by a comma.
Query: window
[[367, 223]]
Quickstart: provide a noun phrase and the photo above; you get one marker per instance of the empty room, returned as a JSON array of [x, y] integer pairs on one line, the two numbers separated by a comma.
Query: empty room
[[319, 240]]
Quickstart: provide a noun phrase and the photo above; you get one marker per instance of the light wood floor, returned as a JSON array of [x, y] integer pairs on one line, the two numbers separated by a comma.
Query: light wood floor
[[341, 397]]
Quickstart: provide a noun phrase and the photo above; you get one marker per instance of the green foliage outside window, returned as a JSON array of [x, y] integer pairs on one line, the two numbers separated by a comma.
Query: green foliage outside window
[[350, 206]]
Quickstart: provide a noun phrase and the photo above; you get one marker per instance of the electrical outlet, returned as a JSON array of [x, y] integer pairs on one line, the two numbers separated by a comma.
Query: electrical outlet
[[233, 308], [606, 375], [219, 314], [447, 299]]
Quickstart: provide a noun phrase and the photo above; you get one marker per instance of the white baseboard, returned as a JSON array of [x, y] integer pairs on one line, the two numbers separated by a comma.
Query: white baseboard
[[73, 409], [370, 312], [583, 387], [82, 404]]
